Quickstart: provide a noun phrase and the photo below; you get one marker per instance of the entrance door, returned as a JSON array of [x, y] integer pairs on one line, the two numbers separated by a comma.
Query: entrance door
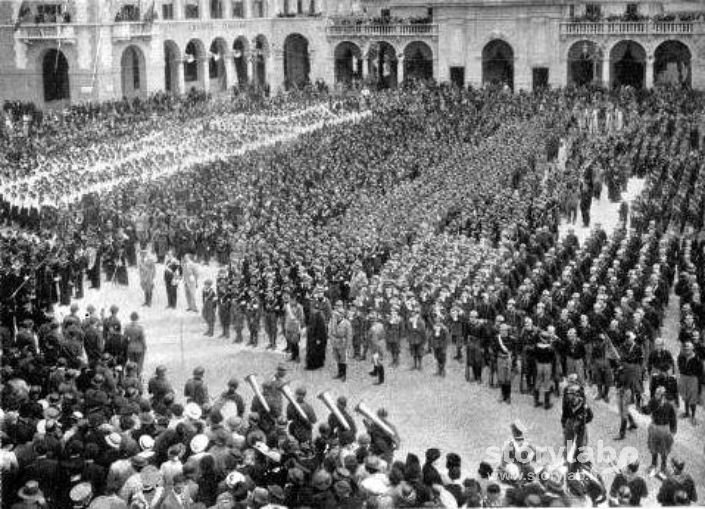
[[539, 77], [457, 76]]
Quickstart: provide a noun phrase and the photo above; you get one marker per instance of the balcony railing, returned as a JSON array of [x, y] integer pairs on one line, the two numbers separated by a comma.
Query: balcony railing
[[581, 29], [368, 30], [126, 31], [46, 32]]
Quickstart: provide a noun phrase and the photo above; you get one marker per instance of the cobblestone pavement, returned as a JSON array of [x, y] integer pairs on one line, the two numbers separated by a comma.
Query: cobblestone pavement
[[429, 411]]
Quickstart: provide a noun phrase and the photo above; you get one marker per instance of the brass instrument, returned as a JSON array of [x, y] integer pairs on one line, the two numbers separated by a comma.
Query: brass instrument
[[328, 401], [288, 394], [361, 408], [252, 380]]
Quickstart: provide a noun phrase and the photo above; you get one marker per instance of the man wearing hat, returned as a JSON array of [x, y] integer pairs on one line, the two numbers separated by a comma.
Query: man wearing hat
[[293, 324], [136, 342], [209, 305], [301, 427], [115, 343], [575, 417], [31, 496], [80, 495], [678, 488], [340, 331], [196, 389], [231, 395], [148, 272], [662, 428], [336, 426], [158, 386]]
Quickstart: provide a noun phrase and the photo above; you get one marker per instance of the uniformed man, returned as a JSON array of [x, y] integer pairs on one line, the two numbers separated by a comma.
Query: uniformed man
[[340, 336], [209, 299], [301, 426], [158, 386], [337, 428], [136, 342], [294, 321], [224, 302], [148, 271], [195, 389], [112, 336], [575, 417], [231, 395]]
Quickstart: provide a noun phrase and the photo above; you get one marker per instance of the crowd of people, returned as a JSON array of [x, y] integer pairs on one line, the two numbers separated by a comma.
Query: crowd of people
[[423, 221]]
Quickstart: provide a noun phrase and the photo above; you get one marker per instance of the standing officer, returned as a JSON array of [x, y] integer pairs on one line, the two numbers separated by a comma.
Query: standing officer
[[224, 301], [148, 272], [209, 304], [195, 389], [340, 332], [136, 342], [172, 278]]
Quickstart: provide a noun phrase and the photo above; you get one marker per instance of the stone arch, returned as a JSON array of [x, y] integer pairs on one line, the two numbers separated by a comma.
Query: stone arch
[[348, 62], [172, 61], [194, 64], [383, 63], [133, 72], [628, 64], [55, 76], [217, 71], [418, 61], [241, 54], [498, 63], [672, 63], [297, 64], [584, 61]]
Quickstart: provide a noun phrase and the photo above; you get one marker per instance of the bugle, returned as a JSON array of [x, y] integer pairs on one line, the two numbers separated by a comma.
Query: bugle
[[252, 380], [361, 408], [288, 394], [328, 401]]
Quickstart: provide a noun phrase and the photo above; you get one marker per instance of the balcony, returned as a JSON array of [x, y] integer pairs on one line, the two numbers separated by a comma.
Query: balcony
[[131, 30], [627, 28], [381, 30], [52, 32]]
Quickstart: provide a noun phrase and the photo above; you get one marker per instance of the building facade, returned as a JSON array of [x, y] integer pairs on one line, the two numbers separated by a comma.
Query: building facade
[[90, 50]]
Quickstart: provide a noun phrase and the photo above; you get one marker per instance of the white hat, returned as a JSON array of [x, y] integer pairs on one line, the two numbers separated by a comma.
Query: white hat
[[192, 411], [199, 443], [234, 478]]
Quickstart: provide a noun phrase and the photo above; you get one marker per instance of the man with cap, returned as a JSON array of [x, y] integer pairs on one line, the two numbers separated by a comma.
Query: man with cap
[[662, 428], [382, 443], [196, 389], [336, 426], [301, 426], [678, 488], [113, 338], [575, 417], [136, 342], [660, 367], [148, 272], [158, 386], [231, 395], [690, 368], [340, 331], [31, 496], [293, 324], [209, 305]]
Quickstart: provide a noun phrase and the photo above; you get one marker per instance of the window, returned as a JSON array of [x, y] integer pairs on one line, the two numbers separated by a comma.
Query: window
[[386, 14], [135, 71], [128, 12], [429, 14], [167, 11], [457, 76], [52, 13], [258, 8], [191, 10], [216, 9], [632, 11], [593, 12], [238, 9], [299, 7], [571, 11]]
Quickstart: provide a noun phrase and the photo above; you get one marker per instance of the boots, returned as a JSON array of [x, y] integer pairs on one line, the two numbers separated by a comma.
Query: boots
[[632, 424], [380, 375], [467, 373], [547, 401], [343, 372], [340, 372], [622, 430], [374, 371], [537, 402]]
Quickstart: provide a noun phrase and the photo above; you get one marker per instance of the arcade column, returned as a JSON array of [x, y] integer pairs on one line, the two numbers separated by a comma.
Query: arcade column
[[649, 78]]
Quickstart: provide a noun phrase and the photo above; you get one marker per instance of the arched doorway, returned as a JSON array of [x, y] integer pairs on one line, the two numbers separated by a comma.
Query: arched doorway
[[348, 63], [628, 65], [261, 54], [584, 63], [194, 57], [172, 61], [216, 66], [133, 72], [498, 63], [296, 61], [55, 76], [418, 61], [383, 64], [672, 64], [240, 55]]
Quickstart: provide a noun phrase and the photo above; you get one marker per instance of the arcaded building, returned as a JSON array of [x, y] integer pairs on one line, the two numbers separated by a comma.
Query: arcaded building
[[87, 50]]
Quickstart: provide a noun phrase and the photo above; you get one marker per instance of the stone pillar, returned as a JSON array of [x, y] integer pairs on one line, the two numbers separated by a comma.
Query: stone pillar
[[230, 72], [203, 64], [649, 78], [606, 73], [204, 11], [179, 9], [400, 69], [275, 70], [251, 68], [247, 9], [180, 81], [227, 9], [365, 66]]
